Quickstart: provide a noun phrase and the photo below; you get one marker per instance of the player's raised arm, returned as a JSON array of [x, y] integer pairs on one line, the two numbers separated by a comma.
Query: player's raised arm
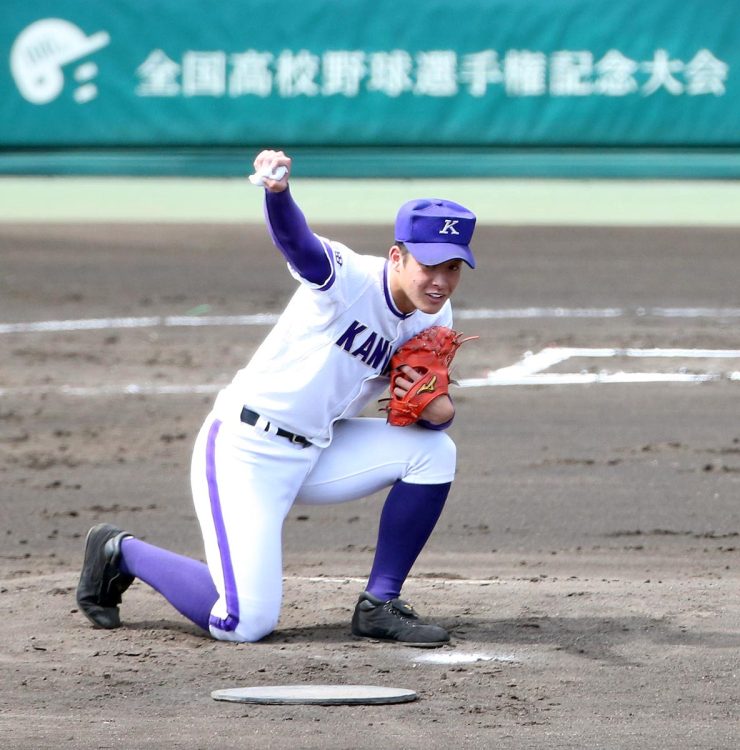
[[286, 223]]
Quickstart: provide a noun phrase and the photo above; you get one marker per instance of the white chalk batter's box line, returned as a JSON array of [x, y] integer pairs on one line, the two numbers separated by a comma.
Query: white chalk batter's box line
[[528, 371]]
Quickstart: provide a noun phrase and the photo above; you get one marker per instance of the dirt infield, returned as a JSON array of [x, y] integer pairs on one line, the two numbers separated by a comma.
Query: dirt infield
[[587, 562]]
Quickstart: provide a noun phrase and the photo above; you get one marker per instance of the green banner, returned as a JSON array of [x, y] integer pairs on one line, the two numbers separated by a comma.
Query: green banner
[[162, 73]]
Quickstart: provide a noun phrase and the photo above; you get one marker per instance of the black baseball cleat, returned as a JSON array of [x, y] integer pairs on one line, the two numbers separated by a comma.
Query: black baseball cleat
[[101, 582], [394, 620]]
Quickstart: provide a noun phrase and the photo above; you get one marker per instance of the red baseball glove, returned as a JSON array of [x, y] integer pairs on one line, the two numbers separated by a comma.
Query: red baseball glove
[[430, 353]]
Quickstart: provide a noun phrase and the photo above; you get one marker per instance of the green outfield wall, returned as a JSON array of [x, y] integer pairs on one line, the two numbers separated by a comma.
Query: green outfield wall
[[176, 86]]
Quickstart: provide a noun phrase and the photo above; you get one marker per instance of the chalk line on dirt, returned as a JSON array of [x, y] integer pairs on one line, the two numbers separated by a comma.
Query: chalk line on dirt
[[267, 319]]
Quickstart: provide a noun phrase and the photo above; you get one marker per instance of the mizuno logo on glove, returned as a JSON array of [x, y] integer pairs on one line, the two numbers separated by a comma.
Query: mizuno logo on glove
[[428, 387]]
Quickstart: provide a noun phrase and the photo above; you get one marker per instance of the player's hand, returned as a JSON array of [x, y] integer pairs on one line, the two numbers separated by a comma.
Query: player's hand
[[438, 411], [266, 163]]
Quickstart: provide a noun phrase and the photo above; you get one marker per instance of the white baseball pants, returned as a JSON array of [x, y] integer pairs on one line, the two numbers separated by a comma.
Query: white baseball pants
[[245, 481]]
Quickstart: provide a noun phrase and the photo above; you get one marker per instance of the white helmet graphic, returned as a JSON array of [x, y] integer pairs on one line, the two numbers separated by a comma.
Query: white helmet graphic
[[40, 52]]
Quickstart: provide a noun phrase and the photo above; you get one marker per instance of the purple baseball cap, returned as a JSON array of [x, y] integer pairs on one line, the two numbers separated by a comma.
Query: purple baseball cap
[[436, 230]]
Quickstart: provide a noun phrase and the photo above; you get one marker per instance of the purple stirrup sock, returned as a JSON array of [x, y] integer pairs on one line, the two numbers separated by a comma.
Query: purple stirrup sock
[[185, 583], [406, 522]]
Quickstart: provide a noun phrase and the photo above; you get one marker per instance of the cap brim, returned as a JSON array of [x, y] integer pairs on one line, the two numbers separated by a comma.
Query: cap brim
[[433, 253]]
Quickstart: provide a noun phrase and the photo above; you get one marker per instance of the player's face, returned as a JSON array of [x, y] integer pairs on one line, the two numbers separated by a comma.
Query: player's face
[[418, 287]]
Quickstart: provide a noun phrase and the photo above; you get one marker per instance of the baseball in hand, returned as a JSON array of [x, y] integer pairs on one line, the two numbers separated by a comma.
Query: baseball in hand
[[258, 178]]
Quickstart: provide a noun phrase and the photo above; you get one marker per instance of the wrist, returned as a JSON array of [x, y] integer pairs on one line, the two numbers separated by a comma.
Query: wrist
[[439, 411]]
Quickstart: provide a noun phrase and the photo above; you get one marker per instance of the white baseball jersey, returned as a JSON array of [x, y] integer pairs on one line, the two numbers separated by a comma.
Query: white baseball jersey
[[327, 356]]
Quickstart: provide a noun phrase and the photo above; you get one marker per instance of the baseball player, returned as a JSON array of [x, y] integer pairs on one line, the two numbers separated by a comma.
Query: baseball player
[[286, 431]]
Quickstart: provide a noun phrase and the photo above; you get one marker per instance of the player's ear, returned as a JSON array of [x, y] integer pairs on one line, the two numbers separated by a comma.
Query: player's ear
[[395, 256]]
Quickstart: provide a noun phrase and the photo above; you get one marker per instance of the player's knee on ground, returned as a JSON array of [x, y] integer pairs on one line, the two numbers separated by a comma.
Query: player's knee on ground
[[249, 629]]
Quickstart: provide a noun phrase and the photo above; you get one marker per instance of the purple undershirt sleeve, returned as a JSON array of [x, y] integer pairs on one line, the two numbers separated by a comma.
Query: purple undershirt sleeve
[[431, 426], [291, 234]]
